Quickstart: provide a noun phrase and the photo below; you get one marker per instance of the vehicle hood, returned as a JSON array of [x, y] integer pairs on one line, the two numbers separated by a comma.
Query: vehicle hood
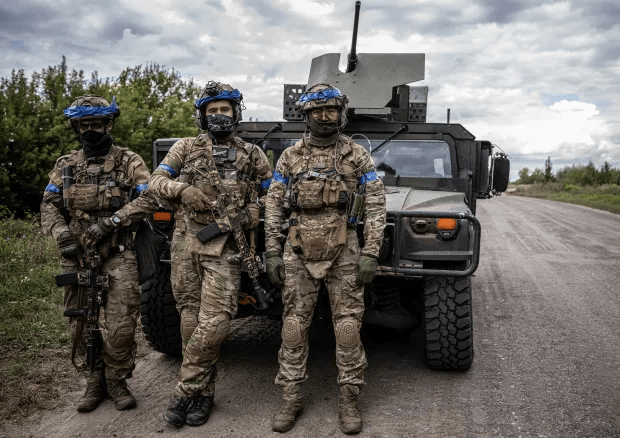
[[407, 198]]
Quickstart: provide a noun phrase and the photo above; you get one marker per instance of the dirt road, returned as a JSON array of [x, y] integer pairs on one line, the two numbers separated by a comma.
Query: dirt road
[[547, 325]]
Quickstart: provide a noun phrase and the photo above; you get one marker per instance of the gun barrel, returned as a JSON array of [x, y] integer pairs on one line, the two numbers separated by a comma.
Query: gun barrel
[[352, 58]]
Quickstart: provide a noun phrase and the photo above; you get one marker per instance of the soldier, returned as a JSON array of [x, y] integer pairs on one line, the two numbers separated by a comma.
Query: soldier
[[323, 178], [206, 277], [95, 216]]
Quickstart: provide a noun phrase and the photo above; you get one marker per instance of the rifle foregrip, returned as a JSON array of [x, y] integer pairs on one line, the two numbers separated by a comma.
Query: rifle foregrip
[[260, 295]]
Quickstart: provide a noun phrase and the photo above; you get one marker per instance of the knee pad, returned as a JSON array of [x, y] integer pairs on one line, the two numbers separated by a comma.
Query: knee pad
[[217, 329], [291, 332], [189, 322], [123, 336], [348, 333]]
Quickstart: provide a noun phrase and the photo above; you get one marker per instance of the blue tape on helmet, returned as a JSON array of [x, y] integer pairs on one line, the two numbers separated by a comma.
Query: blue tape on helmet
[[231, 95], [325, 94], [77, 112]]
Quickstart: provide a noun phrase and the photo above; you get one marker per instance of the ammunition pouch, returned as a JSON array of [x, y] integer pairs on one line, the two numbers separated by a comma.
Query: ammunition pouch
[[315, 190], [93, 197]]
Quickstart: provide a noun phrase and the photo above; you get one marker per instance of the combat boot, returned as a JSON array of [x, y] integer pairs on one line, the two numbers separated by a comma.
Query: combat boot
[[349, 416], [95, 392], [290, 410], [199, 410], [176, 412], [118, 391]]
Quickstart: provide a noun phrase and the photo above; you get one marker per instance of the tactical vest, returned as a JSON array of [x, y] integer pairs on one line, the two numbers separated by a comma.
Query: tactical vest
[[100, 186], [223, 167], [321, 196]]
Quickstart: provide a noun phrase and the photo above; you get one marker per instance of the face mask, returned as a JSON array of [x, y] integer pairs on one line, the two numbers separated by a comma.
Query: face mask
[[95, 144], [220, 124], [322, 129]]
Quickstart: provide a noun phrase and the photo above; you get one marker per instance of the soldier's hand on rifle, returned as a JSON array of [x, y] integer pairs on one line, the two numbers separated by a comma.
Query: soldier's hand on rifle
[[67, 244], [194, 199], [98, 231], [366, 269], [275, 267], [252, 212]]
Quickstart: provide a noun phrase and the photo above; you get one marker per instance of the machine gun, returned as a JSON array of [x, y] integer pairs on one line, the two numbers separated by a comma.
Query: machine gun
[[92, 284], [352, 58]]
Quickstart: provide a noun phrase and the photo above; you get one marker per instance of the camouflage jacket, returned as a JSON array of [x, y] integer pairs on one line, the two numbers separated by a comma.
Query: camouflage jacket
[[243, 170], [353, 168], [102, 186]]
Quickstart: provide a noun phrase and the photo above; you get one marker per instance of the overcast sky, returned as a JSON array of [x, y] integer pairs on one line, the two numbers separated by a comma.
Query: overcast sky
[[538, 78]]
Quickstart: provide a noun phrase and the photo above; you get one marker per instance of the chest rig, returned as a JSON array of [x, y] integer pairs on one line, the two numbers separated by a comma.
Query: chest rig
[[99, 186], [320, 197], [215, 168]]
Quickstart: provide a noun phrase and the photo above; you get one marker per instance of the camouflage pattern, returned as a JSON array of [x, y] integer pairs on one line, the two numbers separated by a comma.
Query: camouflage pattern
[[206, 278], [91, 199], [330, 254]]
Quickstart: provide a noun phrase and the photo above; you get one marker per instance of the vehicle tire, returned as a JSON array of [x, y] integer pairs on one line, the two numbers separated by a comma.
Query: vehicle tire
[[448, 323], [158, 313]]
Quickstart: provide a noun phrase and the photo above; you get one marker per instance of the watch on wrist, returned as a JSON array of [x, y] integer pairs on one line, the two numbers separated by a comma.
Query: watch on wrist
[[116, 221]]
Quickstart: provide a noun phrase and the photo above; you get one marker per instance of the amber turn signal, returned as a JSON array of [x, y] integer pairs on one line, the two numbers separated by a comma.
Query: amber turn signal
[[446, 224], [162, 216]]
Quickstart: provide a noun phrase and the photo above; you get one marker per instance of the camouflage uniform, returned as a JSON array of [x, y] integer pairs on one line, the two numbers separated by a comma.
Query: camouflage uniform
[[205, 277], [329, 253], [120, 313]]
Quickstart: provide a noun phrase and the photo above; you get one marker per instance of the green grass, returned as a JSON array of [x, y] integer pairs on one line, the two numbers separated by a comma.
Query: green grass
[[31, 305], [605, 197]]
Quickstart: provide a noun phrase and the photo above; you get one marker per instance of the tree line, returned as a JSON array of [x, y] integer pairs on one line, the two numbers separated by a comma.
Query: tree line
[[155, 102], [579, 175]]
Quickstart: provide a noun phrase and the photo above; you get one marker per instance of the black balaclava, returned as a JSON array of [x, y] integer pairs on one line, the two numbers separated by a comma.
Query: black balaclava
[[96, 144]]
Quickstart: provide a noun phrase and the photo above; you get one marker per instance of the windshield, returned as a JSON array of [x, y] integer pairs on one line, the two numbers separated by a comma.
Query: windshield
[[411, 158]]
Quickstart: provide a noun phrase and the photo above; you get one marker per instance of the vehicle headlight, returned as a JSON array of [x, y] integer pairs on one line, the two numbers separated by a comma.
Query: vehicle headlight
[[420, 225]]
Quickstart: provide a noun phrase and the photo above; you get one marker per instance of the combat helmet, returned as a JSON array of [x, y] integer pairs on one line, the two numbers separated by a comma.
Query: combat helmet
[[91, 106], [319, 96], [213, 92]]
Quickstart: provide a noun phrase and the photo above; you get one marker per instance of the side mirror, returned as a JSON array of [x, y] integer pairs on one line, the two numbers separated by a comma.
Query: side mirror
[[501, 172]]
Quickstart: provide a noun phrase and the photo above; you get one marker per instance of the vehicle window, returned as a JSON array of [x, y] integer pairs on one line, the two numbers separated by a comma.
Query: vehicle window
[[412, 158]]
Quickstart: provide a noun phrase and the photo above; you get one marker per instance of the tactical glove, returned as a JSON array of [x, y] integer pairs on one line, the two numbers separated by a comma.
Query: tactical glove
[[67, 244], [194, 199], [366, 269], [252, 212], [98, 231], [275, 267]]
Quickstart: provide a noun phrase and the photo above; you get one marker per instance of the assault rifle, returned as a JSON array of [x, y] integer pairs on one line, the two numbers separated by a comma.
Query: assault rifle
[[230, 219], [94, 284]]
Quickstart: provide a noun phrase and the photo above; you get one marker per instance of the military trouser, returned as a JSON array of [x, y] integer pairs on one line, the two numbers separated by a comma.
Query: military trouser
[[206, 290], [347, 305], [118, 317]]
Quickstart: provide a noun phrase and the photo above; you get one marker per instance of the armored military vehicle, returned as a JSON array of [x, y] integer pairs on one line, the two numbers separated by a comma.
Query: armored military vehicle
[[434, 174]]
